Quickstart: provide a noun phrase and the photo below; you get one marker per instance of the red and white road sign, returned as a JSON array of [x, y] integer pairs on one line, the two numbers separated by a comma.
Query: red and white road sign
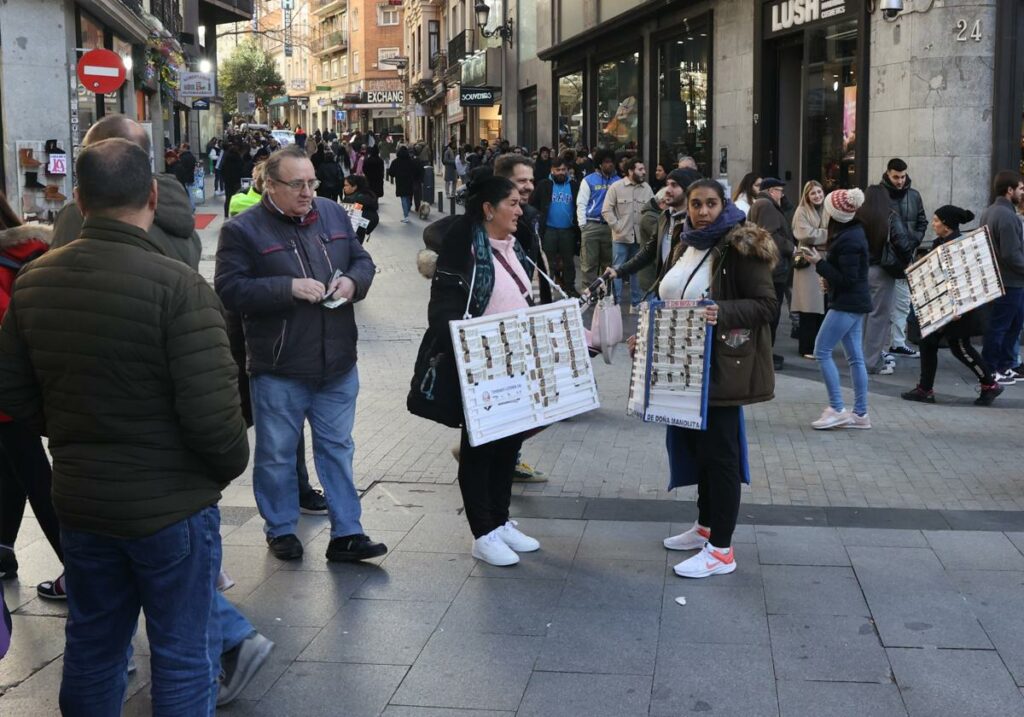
[[101, 71]]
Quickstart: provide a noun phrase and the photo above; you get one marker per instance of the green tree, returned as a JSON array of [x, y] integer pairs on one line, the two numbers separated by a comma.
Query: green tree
[[248, 69]]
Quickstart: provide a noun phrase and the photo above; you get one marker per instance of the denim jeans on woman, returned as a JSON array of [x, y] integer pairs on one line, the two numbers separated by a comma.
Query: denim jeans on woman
[[842, 326], [172, 576], [621, 253]]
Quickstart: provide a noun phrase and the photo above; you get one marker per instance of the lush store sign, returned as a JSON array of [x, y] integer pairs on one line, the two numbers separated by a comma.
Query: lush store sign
[[785, 15]]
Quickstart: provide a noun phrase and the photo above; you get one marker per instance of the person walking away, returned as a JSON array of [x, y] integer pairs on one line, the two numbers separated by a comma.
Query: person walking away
[[882, 226], [403, 170], [232, 167], [721, 258], [767, 213], [140, 525], [747, 192], [480, 251], [624, 202], [301, 353], [946, 224], [1007, 235], [555, 199], [451, 174], [356, 190], [906, 202], [810, 229], [373, 170], [329, 175], [596, 236], [845, 270], [300, 136], [216, 150]]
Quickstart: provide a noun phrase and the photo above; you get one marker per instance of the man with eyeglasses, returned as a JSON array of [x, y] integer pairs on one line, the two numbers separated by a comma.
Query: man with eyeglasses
[[293, 267]]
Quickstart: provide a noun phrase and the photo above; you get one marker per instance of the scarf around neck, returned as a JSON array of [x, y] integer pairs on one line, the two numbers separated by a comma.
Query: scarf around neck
[[709, 236], [483, 260]]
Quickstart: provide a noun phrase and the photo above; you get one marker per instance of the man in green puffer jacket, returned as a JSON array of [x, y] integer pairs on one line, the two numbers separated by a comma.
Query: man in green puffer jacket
[[118, 354]]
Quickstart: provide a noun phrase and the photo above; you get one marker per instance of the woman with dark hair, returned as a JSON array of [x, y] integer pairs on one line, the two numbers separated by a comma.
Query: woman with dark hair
[[356, 190], [658, 177], [373, 170], [729, 261], [404, 171], [482, 270], [542, 166], [746, 193], [845, 270], [958, 333]]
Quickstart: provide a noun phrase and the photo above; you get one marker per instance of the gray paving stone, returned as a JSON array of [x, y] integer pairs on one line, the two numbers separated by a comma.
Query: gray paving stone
[[619, 540], [714, 613], [504, 607], [997, 599], [937, 615], [350, 690], [953, 683], [36, 641], [412, 497], [553, 561], [970, 550], [688, 680], [882, 538], [827, 648], [800, 546], [392, 520], [394, 711], [614, 584], [376, 632], [289, 642], [39, 694], [440, 533], [600, 642], [575, 695], [839, 699], [470, 671], [433, 577], [807, 590], [300, 599]]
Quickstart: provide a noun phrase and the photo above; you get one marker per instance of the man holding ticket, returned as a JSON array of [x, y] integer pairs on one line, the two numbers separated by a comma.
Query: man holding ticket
[[293, 268]]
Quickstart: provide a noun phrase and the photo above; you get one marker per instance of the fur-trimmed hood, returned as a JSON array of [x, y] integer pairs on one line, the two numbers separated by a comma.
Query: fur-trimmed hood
[[426, 263], [752, 241], [24, 234]]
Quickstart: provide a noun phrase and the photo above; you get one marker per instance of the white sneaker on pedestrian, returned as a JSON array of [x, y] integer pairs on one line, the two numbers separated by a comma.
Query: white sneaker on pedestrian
[[709, 561], [862, 422], [831, 418], [692, 539], [405, 220], [517, 539], [888, 370], [492, 550], [1006, 379]]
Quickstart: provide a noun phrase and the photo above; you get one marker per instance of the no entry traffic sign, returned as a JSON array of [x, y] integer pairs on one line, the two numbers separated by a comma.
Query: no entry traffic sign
[[101, 71]]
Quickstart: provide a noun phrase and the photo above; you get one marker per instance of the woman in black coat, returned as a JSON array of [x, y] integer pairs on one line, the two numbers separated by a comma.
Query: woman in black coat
[[946, 223], [329, 173], [373, 170], [404, 170], [231, 171], [357, 191]]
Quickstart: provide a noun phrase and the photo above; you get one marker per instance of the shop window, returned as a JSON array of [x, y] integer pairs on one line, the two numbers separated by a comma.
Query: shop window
[[683, 89], [831, 106], [570, 109], [618, 102]]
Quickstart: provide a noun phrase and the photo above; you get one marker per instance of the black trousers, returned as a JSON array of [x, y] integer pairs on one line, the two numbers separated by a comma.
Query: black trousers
[[809, 326], [780, 295], [717, 453], [962, 351], [25, 475], [560, 247], [228, 193], [485, 479]]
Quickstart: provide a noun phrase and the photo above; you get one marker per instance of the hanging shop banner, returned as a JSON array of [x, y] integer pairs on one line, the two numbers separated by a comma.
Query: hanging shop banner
[[476, 96], [197, 84]]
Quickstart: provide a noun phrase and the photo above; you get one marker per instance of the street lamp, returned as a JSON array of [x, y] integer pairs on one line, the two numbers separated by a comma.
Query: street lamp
[[502, 31], [205, 65]]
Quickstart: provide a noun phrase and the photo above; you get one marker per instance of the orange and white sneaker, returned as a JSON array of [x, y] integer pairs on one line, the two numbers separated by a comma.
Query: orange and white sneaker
[[709, 561], [692, 539]]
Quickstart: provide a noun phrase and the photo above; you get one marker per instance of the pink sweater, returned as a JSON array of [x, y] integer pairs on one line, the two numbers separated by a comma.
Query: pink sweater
[[506, 295]]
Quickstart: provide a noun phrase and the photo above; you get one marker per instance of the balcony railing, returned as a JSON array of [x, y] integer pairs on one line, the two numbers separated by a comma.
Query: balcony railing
[[329, 41], [169, 13], [324, 6]]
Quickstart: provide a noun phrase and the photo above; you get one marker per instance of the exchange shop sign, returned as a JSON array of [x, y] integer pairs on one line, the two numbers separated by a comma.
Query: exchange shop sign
[[476, 97], [381, 97]]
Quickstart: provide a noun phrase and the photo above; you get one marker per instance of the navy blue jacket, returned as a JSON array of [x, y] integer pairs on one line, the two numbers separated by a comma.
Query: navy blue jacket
[[845, 268], [258, 254]]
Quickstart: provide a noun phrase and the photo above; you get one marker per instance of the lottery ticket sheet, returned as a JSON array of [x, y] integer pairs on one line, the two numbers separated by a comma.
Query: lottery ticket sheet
[[523, 369], [953, 279], [671, 365], [356, 216]]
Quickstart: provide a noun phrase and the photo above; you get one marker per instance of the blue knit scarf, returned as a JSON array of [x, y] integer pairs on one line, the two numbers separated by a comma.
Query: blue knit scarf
[[709, 236]]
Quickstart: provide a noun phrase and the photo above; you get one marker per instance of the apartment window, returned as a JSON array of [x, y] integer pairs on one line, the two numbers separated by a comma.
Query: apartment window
[[386, 53], [344, 66], [334, 69], [433, 40], [355, 19], [387, 15], [355, 63], [325, 70]]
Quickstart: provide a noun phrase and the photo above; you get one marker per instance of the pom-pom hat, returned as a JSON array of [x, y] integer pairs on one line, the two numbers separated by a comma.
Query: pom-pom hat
[[842, 204]]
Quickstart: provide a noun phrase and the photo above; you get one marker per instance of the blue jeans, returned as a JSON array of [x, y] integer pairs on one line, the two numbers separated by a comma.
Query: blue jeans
[[406, 206], [280, 405], [1004, 326], [172, 576], [848, 328], [622, 253]]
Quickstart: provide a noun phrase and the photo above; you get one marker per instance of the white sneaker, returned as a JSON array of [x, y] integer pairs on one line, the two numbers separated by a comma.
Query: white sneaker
[[516, 539], [862, 422], [692, 539], [1006, 379], [709, 561], [493, 550], [831, 418], [888, 370]]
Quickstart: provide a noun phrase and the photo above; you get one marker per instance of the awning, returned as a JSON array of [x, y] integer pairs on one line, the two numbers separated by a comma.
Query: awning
[[283, 100]]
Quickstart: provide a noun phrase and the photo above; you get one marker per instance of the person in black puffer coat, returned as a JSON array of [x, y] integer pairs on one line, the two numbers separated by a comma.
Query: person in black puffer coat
[[404, 170], [330, 176]]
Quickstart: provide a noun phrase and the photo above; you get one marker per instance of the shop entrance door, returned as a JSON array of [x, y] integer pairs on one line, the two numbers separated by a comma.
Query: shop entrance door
[[789, 114]]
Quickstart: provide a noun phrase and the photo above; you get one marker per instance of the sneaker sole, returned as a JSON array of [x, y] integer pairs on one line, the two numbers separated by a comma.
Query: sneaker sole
[[838, 424], [242, 681], [677, 546], [723, 570], [354, 558], [478, 556], [293, 555], [853, 426], [311, 511], [529, 479]]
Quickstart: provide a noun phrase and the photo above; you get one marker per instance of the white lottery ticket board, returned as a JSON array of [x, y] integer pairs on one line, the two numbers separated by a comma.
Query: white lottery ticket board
[[953, 279], [669, 382], [356, 216], [523, 369]]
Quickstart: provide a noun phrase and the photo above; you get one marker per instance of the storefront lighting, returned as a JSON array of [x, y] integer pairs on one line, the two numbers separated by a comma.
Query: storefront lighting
[[835, 86], [205, 65], [503, 31], [127, 61]]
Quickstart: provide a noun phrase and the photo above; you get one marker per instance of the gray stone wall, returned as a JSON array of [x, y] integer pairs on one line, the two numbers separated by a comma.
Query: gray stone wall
[[931, 100], [733, 86]]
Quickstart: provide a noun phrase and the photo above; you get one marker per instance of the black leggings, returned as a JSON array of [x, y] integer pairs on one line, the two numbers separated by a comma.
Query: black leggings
[[808, 332], [25, 475], [962, 351], [485, 479], [780, 295], [717, 454]]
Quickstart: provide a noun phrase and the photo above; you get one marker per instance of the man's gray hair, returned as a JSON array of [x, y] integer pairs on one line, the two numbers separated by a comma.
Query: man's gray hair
[[659, 197], [273, 163]]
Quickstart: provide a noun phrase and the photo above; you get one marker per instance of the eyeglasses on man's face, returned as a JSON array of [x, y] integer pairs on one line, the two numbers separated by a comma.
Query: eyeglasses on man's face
[[297, 184]]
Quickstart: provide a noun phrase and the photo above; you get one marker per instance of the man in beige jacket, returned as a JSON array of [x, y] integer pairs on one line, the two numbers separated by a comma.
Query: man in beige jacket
[[623, 206]]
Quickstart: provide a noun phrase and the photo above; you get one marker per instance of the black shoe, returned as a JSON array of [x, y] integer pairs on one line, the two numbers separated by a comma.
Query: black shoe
[[919, 394], [350, 548], [988, 394], [778, 362], [313, 503], [904, 351], [8, 564], [285, 547]]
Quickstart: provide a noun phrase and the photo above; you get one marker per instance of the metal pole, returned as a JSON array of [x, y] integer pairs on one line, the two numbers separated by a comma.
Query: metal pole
[[440, 202], [451, 204]]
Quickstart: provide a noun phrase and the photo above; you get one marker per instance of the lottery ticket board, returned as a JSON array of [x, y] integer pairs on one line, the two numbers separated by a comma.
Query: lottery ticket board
[[671, 364], [356, 216], [523, 369], [953, 279]]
